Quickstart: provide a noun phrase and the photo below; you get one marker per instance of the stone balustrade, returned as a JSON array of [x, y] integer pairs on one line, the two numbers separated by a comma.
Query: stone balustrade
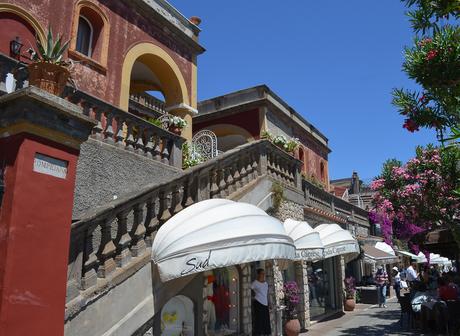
[[127, 131], [153, 104], [115, 126], [110, 239], [318, 198]]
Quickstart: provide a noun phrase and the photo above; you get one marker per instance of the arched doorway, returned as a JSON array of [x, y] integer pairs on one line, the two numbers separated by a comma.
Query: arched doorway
[[230, 136], [151, 72]]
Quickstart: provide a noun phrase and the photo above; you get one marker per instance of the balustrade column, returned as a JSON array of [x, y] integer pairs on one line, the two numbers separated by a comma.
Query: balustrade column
[[108, 132], [90, 260], [214, 187], [152, 221], [176, 199], [164, 212], [123, 240], [107, 250], [230, 181], [139, 141], [149, 144], [129, 136], [222, 183], [119, 137], [165, 151], [138, 231], [97, 130]]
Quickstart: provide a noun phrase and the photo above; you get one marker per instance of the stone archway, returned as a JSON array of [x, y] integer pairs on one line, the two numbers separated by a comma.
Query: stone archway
[[167, 77]]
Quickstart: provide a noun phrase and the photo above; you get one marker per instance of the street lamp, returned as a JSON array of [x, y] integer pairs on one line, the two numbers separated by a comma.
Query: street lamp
[[15, 47]]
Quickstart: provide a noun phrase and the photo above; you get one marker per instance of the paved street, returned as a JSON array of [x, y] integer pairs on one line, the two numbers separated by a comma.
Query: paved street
[[366, 320]]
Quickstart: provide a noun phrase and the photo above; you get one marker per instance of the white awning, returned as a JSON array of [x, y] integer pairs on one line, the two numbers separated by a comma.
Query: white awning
[[434, 259], [385, 248], [408, 254], [336, 241], [218, 233], [307, 242]]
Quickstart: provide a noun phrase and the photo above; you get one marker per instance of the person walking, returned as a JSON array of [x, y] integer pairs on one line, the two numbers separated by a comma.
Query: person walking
[[261, 311], [381, 280], [396, 282], [411, 274]]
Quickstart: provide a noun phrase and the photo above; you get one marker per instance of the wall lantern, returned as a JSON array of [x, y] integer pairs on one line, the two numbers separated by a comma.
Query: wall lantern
[[15, 47]]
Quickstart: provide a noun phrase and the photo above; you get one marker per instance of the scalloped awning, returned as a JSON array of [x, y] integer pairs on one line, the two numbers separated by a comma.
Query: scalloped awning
[[307, 242], [218, 233]]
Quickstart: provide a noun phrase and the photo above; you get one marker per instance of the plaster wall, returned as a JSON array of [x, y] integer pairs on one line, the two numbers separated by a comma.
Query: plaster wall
[[105, 171]]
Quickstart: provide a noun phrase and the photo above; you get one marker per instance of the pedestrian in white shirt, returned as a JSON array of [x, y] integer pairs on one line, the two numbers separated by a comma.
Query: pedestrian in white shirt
[[261, 311], [411, 274]]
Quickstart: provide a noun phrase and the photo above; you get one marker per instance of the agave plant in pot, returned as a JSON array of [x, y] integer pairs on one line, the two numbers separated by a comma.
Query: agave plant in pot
[[291, 298], [350, 293], [49, 71]]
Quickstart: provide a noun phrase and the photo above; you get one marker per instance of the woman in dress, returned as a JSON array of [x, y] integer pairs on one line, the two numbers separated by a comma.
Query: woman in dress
[[261, 312]]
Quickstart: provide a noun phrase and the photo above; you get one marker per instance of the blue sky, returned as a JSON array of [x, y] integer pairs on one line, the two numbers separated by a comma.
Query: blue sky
[[335, 64]]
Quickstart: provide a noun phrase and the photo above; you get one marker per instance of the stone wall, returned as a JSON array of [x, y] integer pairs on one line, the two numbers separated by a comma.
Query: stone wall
[[246, 296], [287, 210], [105, 172], [302, 282]]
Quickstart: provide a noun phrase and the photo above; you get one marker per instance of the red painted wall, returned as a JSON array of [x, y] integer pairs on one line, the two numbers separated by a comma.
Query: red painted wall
[[35, 219], [127, 28], [248, 120]]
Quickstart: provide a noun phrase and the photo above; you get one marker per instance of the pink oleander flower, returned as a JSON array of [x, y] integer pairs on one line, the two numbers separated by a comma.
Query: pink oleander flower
[[377, 184]]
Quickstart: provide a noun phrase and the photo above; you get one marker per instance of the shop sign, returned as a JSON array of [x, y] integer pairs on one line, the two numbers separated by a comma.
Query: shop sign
[[338, 250], [50, 166], [313, 254], [197, 263]]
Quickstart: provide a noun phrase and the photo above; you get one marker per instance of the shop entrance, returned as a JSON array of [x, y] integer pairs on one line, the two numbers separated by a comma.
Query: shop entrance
[[221, 302], [322, 287]]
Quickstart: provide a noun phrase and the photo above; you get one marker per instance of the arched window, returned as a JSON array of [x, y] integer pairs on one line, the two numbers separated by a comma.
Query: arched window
[[85, 36], [90, 36], [322, 172]]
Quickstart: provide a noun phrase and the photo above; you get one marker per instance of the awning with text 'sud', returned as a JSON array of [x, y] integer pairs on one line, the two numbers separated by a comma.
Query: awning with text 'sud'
[[218, 233]]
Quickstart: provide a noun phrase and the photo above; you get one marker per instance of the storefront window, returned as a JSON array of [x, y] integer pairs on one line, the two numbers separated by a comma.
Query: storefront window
[[321, 284], [222, 302], [177, 317]]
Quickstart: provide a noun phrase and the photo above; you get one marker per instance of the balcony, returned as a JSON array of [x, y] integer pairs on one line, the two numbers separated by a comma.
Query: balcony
[[114, 126]]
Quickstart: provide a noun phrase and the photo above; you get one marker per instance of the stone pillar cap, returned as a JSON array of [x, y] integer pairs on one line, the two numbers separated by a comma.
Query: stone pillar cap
[[32, 110]]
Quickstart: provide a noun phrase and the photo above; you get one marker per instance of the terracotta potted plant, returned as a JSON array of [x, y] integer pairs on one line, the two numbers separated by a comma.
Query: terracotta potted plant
[[49, 71], [176, 124], [350, 294], [291, 298]]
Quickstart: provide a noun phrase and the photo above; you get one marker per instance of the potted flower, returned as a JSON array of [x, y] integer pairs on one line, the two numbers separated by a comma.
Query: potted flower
[[176, 124], [350, 294], [49, 71], [291, 145], [291, 298], [280, 141]]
